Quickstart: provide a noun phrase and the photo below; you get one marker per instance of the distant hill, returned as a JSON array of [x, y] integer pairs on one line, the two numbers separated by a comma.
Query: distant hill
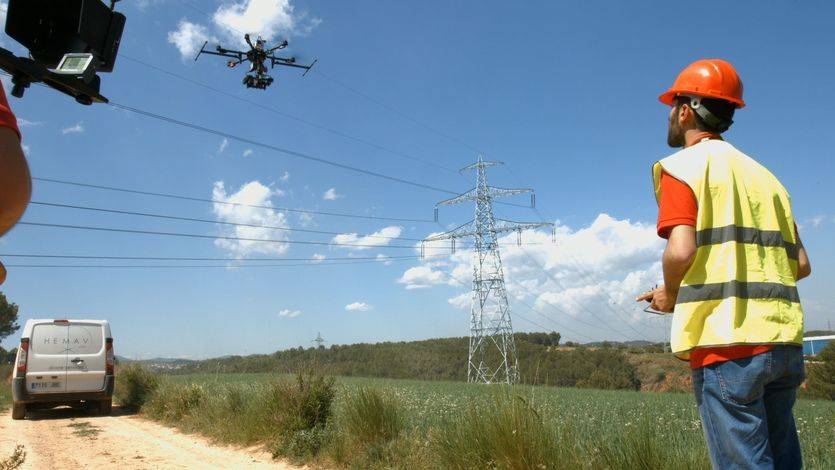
[[158, 363], [541, 359]]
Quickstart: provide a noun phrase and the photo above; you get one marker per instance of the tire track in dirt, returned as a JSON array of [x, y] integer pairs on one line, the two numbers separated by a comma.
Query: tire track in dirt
[[67, 438]]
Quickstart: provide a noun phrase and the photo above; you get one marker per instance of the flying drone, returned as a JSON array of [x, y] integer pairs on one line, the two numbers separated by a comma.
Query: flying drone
[[258, 56]]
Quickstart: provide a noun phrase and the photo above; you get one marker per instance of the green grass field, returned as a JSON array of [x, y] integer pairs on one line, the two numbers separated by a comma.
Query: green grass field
[[595, 418]]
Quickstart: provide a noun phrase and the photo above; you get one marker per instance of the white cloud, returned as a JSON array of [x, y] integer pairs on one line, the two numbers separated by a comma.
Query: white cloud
[[817, 220], [331, 195], [26, 149], [358, 307], [252, 193], [286, 176], [189, 37], [271, 19], [76, 129], [27, 123], [461, 301], [590, 276], [319, 257], [287, 313], [384, 259], [381, 237], [421, 277], [247, 152], [143, 5], [223, 144], [305, 219], [4, 10]]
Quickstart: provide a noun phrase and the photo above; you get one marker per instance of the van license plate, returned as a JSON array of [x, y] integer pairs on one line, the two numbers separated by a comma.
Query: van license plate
[[44, 385]]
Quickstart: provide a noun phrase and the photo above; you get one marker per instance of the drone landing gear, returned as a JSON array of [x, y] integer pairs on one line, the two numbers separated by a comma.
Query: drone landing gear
[[260, 82]]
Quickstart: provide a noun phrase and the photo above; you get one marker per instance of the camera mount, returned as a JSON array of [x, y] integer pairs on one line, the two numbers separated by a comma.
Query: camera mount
[[69, 41]]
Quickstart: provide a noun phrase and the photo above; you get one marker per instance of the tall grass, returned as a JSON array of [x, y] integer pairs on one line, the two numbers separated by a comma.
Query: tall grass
[[299, 411], [134, 385], [507, 433], [374, 423], [372, 417]]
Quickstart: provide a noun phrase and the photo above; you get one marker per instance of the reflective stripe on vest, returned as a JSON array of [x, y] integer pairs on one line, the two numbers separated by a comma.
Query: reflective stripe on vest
[[741, 287]]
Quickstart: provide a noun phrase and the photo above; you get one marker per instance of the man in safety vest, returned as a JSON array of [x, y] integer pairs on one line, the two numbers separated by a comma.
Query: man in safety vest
[[731, 265]]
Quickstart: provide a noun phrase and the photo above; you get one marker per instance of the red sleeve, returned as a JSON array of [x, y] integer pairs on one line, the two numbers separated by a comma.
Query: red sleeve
[[7, 117], [677, 205]]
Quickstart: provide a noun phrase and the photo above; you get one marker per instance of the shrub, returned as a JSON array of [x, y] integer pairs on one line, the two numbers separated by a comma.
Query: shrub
[[174, 402], [371, 417], [299, 411], [509, 434], [134, 385], [821, 376]]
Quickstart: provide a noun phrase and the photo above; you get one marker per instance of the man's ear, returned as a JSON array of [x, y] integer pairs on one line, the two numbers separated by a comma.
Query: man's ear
[[686, 116]]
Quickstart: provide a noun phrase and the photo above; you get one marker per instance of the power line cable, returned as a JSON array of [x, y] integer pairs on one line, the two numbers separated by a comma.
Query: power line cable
[[560, 310], [213, 237], [195, 258], [290, 116], [394, 110], [209, 221], [357, 92], [531, 308], [183, 266], [560, 284], [576, 264], [217, 201], [292, 153]]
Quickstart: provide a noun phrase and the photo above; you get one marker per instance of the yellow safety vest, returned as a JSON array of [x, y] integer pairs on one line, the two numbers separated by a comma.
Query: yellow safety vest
[[741, 287]]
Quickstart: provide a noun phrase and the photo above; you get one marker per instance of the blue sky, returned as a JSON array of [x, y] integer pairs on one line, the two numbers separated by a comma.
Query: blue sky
[[564, 92]]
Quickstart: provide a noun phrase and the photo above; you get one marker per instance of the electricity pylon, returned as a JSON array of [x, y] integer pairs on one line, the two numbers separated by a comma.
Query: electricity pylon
[[319, 341], [492, 353]]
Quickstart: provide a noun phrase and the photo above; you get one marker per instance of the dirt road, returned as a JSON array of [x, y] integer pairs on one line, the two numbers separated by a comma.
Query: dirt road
[[66, 438]]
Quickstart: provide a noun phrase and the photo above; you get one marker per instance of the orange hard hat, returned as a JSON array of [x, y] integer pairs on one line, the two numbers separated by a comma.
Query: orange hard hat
[[710, 78]]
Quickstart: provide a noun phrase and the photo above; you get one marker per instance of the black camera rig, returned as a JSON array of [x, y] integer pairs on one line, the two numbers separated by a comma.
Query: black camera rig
[[69, 41]]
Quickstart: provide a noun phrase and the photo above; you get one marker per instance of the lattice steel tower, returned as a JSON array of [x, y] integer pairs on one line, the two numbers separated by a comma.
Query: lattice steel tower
[[492, 355]]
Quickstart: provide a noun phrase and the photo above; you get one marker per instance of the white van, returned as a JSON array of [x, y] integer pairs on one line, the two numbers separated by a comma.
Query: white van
[[64, 362]]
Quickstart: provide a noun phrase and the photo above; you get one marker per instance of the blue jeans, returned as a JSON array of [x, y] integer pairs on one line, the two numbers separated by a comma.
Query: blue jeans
[[746, 409]]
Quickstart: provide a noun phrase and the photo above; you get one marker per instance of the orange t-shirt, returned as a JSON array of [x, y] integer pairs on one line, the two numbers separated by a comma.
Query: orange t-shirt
[[7, 117], [678, 206]]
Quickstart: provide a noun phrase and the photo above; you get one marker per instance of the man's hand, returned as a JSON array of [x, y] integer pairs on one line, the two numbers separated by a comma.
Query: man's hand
[[660, 299]]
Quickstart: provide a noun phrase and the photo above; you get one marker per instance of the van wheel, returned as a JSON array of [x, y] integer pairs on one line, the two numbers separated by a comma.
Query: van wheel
[[18, 410], [105, 407]]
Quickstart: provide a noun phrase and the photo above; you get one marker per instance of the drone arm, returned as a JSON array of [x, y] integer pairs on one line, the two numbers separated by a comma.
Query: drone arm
[[225, 53], [282, 45], [202, 50]]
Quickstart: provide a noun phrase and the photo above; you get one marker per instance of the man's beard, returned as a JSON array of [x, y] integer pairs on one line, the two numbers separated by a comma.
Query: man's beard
[[675, 137]]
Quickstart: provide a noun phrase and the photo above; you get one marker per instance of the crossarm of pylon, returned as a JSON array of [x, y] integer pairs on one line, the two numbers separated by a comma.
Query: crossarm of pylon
[[495, 192], [462, 231], [510, 225], [480, 164], [466, 197]]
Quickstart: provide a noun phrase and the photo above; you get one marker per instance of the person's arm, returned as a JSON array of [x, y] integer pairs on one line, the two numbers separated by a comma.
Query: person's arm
[[15, 184], [804, 269], [677, 258], [15, 180]]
